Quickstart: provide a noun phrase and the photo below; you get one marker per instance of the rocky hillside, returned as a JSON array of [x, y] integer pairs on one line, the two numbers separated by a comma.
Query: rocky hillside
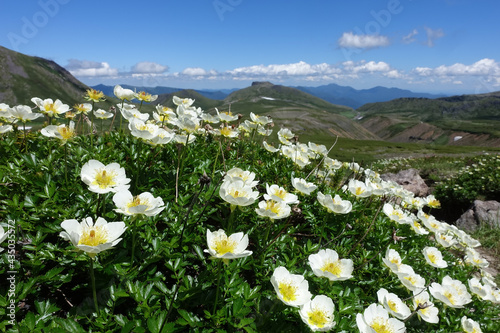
[[23, 77]]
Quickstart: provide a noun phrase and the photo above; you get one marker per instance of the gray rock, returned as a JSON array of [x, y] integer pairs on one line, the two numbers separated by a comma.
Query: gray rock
[[410, 180], [481, 212]]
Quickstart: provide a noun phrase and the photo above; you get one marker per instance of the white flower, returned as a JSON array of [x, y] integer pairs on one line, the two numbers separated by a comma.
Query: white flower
[[392, 260], [326, 263], [23, 113], [238, 193], [292, 289], [269, 147], [227, 131], [376, 319], [129, 112], [123, 94], [261, 130], [332, 164], [303, 186], [102, 178], [482, 291], [278, 193], [426, 309], [318, 313], [470, 326], [6, 128], [221, 246], [146, 131], [247, 177], [273, 209], [102, 114], [417, 227], [451, 292], [434, 257], [62, 132], [92, 238], [358, 188], [411, 280], [396, 215], [335, 204], [473, 257], [432, 202], [393, 304], [226, 117], [49, 107], [142, 204], [261, 120], [285, 135], [187, 102], [430, 222], [445, 239]]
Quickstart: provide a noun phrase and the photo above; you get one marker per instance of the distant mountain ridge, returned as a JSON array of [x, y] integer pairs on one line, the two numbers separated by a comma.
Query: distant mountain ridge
[[217, 94], [332, 93], [354, 98]]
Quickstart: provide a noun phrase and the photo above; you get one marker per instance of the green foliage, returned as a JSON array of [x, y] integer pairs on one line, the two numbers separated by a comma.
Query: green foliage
[[478, 179], [173, 285]]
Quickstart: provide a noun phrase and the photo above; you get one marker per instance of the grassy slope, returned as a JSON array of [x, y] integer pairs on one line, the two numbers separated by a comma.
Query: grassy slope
[[474, 114]]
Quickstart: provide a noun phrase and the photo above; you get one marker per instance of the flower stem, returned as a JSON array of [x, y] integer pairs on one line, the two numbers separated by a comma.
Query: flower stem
[[218, 286], [92, 278], [66, 164], [134, 230]]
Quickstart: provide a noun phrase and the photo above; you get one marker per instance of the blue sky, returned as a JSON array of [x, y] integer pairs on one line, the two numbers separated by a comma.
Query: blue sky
[[440, 46]]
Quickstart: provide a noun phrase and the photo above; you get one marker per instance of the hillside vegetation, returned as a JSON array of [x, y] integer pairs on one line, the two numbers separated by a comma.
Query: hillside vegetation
[[23, 77], [457, 120]]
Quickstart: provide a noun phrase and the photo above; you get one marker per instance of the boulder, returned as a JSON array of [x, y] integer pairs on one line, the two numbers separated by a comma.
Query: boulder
[[410, 180], [481, 212]]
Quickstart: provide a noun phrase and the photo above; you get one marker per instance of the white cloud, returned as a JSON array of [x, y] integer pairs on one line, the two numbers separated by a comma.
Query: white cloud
[[351, 41], [410, 37], [366, 67], [147, 67], [194, 71], [432, 35], [483, 67], [86, 68]]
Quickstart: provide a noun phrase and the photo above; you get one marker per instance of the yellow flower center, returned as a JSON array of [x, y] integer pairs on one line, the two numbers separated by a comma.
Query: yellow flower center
[[359, 190], [95, 95], [449, 295], [226, 131], [395, 261], [236, 194], [392, 305], [271, 205], [136, 201], [381, 325], [105, 179], [49, 107], [144, 96], [66, 132], [434, 203], [412, 279], [224, 245], [288, 291], [397, 214], [317, 317], [93, 236], [281, 194], [432, 257], [332, 267]]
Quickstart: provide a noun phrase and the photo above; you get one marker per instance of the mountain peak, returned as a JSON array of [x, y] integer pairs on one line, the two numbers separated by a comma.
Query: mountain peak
[[262, 83]]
